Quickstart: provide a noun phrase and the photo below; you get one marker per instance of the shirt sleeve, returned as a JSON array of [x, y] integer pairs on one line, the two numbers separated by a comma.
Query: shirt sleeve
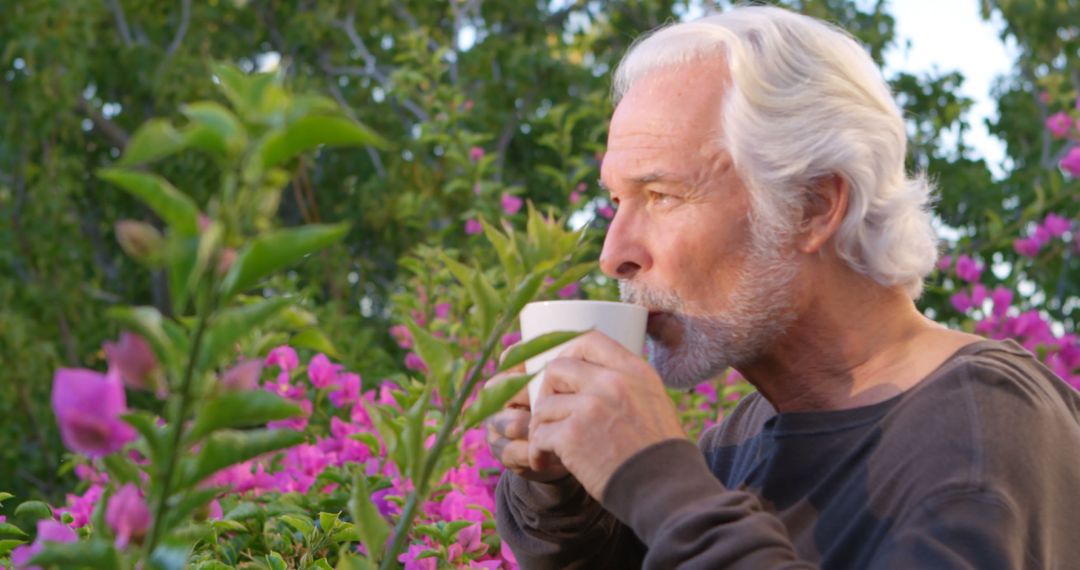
[[688, 519], [560, 526], [958, 528]]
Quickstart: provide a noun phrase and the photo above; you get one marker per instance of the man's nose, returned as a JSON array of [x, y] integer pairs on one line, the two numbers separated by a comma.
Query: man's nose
[[624, 254]]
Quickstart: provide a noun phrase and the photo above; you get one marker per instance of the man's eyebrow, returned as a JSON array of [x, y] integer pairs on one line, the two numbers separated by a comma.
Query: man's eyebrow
[[647, 178]]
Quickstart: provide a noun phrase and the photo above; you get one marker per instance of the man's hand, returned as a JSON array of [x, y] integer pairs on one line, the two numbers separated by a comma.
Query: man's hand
[[508, 436], [599, 405]]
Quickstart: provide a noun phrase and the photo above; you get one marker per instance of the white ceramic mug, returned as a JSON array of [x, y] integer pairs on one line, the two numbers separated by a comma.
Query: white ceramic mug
[[623, 322]]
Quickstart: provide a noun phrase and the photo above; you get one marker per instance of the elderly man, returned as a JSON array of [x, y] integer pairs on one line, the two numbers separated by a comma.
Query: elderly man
[[764, 218]]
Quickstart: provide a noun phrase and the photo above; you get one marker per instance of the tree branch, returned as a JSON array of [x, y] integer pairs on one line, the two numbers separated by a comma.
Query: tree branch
[[121, 21], [376, 160], [111, 130], [370, 69], [185, 19]]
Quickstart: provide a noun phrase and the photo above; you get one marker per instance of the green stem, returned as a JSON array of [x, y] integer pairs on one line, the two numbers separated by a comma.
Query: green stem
[[408, 513], [177, 422]]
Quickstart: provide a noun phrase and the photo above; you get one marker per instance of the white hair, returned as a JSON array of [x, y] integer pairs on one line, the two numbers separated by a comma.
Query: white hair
[[806, 101]]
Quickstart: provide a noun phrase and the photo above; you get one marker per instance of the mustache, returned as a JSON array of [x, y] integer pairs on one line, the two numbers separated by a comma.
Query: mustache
[[630, 292]]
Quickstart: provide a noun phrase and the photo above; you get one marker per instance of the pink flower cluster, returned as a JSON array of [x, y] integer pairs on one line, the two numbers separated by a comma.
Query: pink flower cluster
[[466, 491], [1001, 320], [1062, 125], [1052, 227]]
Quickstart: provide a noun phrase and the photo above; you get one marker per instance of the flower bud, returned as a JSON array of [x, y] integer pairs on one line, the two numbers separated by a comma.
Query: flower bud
[[139, 240], [243, 376], [133, 358]]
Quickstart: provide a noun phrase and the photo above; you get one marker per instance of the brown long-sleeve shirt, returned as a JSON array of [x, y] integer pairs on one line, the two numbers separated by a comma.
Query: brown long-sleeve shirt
[[977, 466]]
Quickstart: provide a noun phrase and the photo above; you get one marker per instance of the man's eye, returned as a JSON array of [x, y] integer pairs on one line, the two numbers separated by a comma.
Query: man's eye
[[660, 198]]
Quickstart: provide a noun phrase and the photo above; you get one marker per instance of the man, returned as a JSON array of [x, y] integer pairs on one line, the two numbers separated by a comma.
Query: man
[[764, 218]]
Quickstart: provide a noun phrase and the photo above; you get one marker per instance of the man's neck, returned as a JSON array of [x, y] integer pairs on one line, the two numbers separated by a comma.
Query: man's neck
[[852, 350]]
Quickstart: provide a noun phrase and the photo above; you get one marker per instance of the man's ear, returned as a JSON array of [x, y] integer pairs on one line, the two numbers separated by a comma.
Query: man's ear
[[823, 210]]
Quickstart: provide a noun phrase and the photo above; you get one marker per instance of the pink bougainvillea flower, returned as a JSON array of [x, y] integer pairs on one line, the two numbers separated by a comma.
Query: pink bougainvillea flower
[[511, 204], [1071, 162], [127, 515], [414, 362], [442, 310], [1002, 298], [476, 153], [1041, 235], [81, 508], [1059, 124], [243, 376], [1028, 247], [348, 391], [607, 212], [967, 269], [945, 263], [978, 295], [411, 558], [133, 358], [48, 530], [473, 227], [402, 336], [568, 291], [511, 338], [961, 301], [322, 372], [284, 357], [88, 406], [1056, 225]]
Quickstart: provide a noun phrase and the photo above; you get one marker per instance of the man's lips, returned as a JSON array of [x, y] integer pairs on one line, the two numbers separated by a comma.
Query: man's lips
[[658, 321]]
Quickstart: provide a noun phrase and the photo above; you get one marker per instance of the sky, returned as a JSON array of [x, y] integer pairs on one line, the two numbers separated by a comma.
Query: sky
[[949, 35]]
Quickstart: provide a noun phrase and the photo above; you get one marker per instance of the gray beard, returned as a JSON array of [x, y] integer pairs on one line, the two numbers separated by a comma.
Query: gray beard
[[760, 309]]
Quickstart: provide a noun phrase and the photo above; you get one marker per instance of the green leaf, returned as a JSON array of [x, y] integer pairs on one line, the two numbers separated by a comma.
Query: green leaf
[[492, 399], [213, 128], [346, 532], [519, 353], [239, 410], [313, 131], [234, 324], [349, 562], [507, 252], [244, 91], [327, 521], [183, 251], [6, 496], [434, 351], [155, 139], [275, 561], [9, 545], [524, 293], [8, 530], [85, 553], [277, 250], [171, 205], [412, 433], [572, 275], [181, 507], [122, 469], [302, 524], [373, 529], [146, 424], [33, 511], [488, 303], [228, 526], [229, 447], [315, 339]]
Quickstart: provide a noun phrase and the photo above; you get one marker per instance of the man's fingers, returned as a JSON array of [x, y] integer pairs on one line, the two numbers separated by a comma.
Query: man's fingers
[[570, 376], [599, 348], [511, 424]]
